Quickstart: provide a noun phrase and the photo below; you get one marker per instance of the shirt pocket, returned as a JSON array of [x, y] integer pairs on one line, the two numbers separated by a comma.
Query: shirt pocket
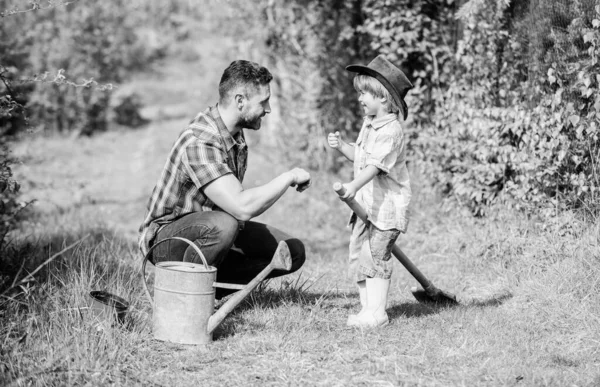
[[359, 153], [369, 143]]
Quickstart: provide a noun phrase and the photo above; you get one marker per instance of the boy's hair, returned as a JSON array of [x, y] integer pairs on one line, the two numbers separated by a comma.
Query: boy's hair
[[369, 84], [242, 73]]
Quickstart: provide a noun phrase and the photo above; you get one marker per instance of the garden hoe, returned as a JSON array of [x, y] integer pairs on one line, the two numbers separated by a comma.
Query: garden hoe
[[429, 293]]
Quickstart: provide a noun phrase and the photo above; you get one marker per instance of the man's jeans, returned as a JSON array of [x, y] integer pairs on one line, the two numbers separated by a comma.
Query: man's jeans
[[238, 252]]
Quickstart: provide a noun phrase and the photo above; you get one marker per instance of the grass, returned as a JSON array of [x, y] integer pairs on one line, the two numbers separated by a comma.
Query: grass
[[529, 313], [529, 288]]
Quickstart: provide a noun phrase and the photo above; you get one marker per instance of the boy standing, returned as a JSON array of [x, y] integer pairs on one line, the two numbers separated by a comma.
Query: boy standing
[[381, 184]]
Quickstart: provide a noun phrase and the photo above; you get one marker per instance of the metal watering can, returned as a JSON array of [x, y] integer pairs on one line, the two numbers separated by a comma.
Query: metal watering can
[[184, 295]]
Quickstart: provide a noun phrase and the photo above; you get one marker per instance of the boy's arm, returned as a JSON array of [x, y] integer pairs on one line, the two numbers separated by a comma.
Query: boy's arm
[[347, 150], [363, 178], [335, 141]]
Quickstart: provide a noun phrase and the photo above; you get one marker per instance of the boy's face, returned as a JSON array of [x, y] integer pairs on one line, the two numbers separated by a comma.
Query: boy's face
[[372, 106]]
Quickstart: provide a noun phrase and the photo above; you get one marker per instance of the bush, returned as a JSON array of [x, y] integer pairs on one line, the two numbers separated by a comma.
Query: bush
[[513, 115], [9, 205], [70, 56]]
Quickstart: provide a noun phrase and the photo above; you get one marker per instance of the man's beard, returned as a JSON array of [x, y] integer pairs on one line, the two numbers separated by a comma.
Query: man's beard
[[251, 122]]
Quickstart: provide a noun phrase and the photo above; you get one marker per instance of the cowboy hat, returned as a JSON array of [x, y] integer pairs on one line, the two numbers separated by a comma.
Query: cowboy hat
[[392, 78]]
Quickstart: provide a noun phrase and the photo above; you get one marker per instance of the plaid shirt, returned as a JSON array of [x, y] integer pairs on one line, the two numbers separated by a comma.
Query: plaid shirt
[[203, 152], [385, 198]]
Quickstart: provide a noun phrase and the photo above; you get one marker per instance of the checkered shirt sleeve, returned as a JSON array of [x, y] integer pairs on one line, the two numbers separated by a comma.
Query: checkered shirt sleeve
[[197, 158]]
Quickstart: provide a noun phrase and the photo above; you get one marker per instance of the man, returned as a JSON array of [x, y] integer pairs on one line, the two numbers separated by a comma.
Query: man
[[200, 197]]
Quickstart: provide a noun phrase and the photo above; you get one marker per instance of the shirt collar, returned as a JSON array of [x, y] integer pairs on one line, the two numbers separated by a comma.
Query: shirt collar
[[377, 123], [229, 140]]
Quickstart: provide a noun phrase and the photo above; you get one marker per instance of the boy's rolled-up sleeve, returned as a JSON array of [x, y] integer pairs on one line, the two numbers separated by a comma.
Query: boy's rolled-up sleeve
[[386, 149]]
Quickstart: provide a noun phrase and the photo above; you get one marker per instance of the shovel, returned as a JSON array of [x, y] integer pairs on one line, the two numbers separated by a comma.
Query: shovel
[[429, 293]]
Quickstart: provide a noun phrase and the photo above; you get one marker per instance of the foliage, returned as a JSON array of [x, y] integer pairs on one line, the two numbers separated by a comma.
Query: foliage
[[536, 140], [53, 55], [504, 104], [504, 108], [88, 45], [512, 115], [9, 188], [420, 38]]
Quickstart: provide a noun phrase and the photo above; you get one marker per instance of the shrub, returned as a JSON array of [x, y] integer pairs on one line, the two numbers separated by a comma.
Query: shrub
[[85, 44], [9, 205], [513, 115]]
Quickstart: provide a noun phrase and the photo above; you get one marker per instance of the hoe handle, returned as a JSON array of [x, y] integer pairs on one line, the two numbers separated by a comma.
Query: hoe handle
[[399, 254]]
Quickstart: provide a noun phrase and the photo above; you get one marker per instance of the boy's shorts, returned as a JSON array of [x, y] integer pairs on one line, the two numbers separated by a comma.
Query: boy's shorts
[[370, 251]]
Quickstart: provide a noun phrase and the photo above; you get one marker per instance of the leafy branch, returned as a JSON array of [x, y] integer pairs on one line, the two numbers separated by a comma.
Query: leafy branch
[[61, 79], [36, 5], [8, 104]]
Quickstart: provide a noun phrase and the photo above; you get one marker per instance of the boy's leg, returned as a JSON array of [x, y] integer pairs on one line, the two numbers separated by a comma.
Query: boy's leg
[[358, 237], [376, 252], [212, 231], [377, 266], [252, 251]]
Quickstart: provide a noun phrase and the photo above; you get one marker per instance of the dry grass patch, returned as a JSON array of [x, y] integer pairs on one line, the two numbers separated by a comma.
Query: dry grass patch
[[525, 320]]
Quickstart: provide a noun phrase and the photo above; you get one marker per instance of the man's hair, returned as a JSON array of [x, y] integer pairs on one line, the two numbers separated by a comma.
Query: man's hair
[[242, 73], [371, 85]]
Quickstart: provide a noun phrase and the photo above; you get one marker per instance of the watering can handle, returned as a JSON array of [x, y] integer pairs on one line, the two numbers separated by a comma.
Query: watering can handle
[[192, 244]]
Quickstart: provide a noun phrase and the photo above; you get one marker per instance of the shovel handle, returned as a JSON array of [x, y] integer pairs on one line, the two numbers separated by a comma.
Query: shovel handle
[[399, 254], [147, 257]]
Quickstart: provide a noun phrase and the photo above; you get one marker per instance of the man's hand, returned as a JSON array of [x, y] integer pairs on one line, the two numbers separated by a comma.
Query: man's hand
[[334, 140], [300, 179]]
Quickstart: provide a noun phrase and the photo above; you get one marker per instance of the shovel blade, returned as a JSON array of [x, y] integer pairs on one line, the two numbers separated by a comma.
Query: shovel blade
[[434, 296]]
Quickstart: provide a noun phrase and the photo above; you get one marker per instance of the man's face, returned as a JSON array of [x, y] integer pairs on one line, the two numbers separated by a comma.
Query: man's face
[[255, 107]]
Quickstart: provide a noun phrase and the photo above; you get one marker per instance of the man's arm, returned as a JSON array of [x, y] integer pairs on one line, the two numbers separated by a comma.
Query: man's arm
[[244, 204]]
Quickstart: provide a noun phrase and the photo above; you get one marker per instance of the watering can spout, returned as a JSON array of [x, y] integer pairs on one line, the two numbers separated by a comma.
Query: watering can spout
[[282, 260]]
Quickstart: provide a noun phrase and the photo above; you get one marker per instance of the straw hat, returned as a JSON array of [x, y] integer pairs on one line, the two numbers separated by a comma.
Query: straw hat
[[392, 78]]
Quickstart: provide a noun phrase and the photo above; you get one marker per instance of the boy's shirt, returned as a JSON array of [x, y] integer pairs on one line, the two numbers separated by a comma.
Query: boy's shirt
[[381, 143]]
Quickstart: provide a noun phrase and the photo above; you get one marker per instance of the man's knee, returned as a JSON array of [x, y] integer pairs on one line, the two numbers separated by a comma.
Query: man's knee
[[221, 231], [227, 225]]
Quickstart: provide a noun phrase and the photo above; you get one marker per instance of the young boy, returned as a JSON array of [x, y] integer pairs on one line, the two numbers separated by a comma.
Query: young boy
[[381, 184]]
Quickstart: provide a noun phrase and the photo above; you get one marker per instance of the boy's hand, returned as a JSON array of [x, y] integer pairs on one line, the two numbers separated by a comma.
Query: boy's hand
[[350, 192], [334, 140]]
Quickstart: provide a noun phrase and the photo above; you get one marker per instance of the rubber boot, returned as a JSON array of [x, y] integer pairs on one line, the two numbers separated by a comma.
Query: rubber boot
[[362, 293], [375, 315]]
